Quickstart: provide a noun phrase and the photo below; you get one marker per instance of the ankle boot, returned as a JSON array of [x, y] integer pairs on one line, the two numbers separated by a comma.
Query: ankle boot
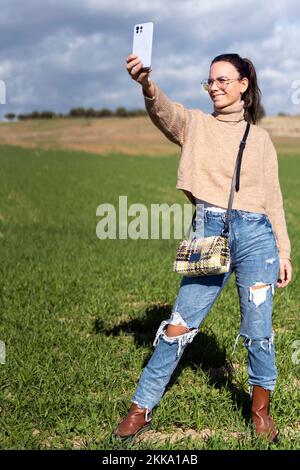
[[136, 422], [260, 414]]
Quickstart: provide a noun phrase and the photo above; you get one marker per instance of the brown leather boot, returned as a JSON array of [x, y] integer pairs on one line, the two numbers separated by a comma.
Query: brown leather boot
[[136, 422], [260, 417]]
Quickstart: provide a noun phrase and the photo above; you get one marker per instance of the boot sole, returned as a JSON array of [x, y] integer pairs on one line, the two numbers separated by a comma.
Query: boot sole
[[132, 437]]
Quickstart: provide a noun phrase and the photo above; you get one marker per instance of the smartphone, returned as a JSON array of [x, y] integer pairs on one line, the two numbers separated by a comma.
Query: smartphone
[[142, 43]]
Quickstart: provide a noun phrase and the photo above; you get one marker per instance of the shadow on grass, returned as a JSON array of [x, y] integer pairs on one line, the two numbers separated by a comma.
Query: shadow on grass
[[204, 352]]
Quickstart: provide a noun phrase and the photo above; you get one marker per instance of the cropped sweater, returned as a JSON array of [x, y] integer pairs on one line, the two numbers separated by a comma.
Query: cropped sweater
[[209, 145]]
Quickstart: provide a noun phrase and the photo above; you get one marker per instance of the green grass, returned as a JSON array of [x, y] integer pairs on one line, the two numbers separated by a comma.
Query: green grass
[[79, 314]]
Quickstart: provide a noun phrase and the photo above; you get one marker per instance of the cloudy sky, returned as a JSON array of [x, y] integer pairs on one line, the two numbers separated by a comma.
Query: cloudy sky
[[60, 54]]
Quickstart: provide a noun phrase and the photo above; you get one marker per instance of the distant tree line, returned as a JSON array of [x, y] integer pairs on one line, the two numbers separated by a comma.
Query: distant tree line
[[78, 113], [93, 113]]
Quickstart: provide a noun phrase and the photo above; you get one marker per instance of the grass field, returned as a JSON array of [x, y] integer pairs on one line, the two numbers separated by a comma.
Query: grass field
[[134, 136], [79, 314]]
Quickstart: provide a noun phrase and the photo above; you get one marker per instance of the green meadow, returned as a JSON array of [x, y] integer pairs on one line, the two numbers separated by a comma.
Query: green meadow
[[79, 314]]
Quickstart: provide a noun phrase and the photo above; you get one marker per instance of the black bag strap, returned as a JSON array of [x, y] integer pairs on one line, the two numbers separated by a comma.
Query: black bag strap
[[235, 182]]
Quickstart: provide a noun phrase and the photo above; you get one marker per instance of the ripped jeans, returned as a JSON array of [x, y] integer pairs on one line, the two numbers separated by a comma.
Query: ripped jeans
[[255, 261]]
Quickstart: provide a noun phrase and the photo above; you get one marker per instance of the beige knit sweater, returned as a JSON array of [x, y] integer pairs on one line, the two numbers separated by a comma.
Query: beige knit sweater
[[209, 146]]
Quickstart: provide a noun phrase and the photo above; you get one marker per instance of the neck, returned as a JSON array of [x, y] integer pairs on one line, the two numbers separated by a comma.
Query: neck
[[232, 112]]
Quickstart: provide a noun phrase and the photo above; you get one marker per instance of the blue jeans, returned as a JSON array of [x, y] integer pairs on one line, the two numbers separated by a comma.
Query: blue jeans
[[255, 261]]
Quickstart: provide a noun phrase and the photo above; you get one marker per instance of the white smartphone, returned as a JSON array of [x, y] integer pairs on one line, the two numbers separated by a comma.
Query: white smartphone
[[142, 43]]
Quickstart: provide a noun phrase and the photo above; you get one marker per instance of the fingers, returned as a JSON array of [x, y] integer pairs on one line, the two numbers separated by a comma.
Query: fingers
[[134, 67], [280, 283], [285, 274], [287, 278], [130, 57], [133, 64], [135, 71], [281, 275]]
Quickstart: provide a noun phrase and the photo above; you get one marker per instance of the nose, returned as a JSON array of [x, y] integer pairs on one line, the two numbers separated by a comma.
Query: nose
[[214, 86]]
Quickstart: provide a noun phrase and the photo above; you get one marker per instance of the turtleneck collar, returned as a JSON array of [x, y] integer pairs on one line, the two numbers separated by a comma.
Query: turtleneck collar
[[233, 112]]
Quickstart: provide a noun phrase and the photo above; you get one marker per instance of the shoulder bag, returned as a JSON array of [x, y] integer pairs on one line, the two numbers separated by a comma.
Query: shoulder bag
[[210, 255]]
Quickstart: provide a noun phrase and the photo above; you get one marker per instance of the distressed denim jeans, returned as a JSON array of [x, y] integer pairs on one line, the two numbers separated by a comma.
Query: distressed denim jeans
[[255, 261]]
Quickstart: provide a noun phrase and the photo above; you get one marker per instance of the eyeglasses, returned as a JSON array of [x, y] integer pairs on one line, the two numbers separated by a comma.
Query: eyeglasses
[[222, 82]]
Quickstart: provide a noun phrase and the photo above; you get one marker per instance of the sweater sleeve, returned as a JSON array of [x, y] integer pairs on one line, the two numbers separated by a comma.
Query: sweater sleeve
[[169, 116], [274, 200]]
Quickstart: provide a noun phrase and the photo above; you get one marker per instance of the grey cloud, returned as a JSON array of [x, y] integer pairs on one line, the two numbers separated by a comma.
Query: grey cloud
[[60, 54]]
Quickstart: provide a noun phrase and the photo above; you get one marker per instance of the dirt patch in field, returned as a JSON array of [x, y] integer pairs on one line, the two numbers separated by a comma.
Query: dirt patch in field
[[179, 434], [132, 136]]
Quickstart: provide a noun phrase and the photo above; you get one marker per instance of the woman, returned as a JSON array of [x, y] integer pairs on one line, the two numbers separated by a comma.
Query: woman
[[259, 241]]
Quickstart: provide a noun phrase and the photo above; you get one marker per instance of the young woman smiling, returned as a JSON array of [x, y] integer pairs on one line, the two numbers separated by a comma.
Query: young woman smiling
[[259, 241]]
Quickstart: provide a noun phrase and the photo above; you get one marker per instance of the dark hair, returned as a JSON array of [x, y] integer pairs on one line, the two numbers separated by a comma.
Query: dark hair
[[252, 95]]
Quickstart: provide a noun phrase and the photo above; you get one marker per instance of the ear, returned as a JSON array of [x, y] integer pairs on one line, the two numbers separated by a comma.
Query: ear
[[244, 84]]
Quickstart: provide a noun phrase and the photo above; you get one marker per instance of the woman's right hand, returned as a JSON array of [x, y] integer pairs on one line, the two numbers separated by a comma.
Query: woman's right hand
[[134, 66]]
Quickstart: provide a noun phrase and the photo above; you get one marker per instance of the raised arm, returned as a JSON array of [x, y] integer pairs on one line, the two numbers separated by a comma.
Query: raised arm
[[169, 116]]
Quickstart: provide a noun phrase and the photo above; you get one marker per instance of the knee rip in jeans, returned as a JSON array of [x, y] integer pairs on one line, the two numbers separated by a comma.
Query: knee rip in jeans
[[182, 339], [258, 292], [262, 341]]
